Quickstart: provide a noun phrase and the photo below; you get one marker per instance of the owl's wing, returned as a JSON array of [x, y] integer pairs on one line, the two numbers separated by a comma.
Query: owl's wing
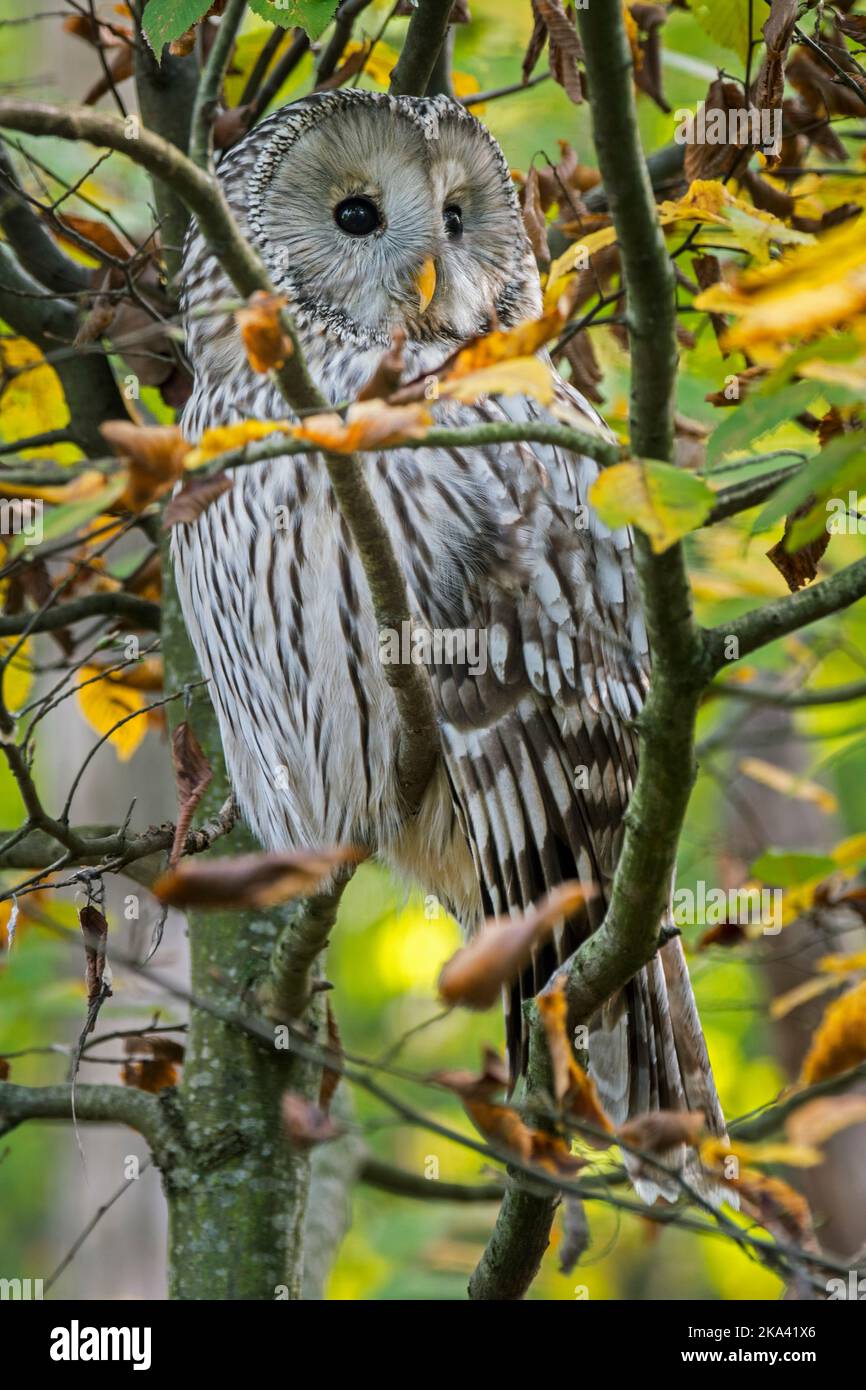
[[540, 741], [538, 737]]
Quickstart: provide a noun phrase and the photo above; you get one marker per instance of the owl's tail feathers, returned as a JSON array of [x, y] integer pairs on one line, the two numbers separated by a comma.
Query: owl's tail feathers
[[647, 1053]]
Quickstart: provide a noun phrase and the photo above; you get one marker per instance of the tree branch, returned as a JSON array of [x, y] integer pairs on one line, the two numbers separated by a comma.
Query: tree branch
[[628, 936], [166, 90], [210, 84], [37, 252], [424, 39], [112, 1105], [763, 625], [139, 612]]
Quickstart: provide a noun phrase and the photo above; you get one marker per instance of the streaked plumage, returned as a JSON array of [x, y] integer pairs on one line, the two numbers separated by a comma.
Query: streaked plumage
[[276, 599]]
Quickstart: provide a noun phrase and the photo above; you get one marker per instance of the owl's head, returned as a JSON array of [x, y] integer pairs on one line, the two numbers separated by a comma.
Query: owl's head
[[374, 212]]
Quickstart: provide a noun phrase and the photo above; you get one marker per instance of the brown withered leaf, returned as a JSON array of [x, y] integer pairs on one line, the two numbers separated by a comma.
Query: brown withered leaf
[[94, 929], [723, 934], [853, 26], [565, 49], [705, 160], [658, 1130], [4, 1069], [585, 373], [798, 567], [745, 379], [265, 343], [183, 44], [553, 1153], [533, 218], [331, 1075], [368, 424], [650, 20], [484, 1085], [573, 1089], [97, 232], [194, 498], [778, 31], [475, 974], [193, 774], [535, 46], [306, 1124], [817, 84], [120, 67], [96, 322], [777, 1206], [389, 370], [154, 457], [769, 197], [249, 880], [231, 126], [501, 1125], [153, 1062]]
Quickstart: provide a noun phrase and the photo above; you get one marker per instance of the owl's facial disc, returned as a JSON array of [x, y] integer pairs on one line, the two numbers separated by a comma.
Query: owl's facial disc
[[379, 220]]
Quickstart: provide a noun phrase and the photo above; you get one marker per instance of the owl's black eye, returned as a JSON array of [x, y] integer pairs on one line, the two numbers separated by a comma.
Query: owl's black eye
[[357, 216], [452, 216]]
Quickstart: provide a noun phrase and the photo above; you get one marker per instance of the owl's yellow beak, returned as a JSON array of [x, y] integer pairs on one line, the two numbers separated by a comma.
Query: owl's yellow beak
[[425, 283]]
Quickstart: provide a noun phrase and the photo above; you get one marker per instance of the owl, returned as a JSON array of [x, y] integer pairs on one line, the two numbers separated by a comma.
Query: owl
[[375, 214]]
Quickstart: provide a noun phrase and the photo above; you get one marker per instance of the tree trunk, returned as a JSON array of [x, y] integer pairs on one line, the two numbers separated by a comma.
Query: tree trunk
[[237, 1193]]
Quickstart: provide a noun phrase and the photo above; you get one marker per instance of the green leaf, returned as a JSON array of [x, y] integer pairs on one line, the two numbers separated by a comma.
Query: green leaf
[[165, 20], [313, 16], [838, 469], [727, 22], [756, 415], [663, 502], [72, 515], [787, 868]]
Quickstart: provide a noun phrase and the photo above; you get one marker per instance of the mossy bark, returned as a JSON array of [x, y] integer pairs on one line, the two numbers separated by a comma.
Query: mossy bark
[[236, 1191]]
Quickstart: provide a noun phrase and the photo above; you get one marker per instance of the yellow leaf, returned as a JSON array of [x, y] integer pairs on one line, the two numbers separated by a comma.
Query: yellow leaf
[[517, 376], [106, 701], [504, 344], [851, 852], [577, 254], [811, 290], [32, 401], [223, 438], [79, 489], [18, 675], [380, 63], [368, 425], [843, 965], [714, 1152], [840, 1040], [788, 783], [707, 200], [466, 85], [663, 502]]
